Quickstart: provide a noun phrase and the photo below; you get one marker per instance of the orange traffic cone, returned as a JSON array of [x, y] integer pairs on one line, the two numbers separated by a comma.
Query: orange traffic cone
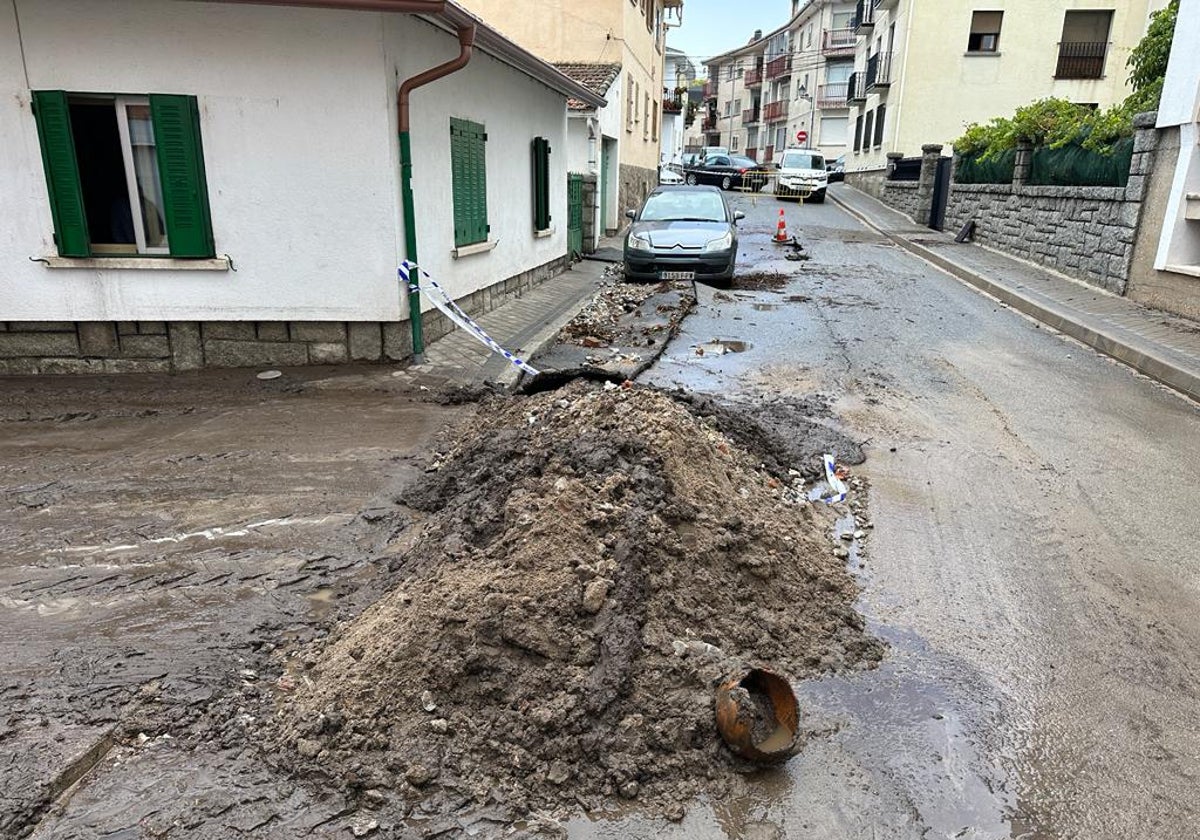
[[781, 234]]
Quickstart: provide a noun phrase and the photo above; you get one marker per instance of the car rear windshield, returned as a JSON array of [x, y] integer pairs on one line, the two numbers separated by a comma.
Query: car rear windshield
[[684, 205], [801, 160], [743, 162]]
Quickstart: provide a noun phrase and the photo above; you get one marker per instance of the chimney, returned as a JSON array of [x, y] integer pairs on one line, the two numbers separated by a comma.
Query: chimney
[[757, 36]]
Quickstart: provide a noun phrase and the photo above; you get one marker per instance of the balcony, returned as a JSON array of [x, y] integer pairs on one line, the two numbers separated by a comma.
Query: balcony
[[779, 67], [768, 154], [879, 71], [864, 16], [750, 116], [886, 4], [752, 152], [1081, 60], [710, 90], [855, 89], [835, 42], [709, 124], [674, 101], [833, 94], [775, 111], [753, 78]]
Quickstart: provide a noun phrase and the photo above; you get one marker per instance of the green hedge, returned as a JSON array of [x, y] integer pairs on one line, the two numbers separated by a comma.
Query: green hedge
[[1075, 166], [998, 169]]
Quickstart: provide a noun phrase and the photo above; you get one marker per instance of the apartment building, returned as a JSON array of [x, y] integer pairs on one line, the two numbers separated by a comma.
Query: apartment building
[[678, 76], [924, 70], [629, 33], [788, 87]]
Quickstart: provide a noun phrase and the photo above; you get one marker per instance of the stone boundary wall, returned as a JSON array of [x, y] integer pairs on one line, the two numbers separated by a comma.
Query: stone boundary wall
[[1084, 232], [45, 347], [901, 195], [637, 182]]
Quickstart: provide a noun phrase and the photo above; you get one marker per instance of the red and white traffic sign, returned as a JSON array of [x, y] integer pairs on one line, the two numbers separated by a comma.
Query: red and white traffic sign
[[801, 136]]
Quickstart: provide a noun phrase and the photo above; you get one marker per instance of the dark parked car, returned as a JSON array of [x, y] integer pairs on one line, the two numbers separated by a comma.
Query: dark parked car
[[836, 169], [729, 172], [682, 233]]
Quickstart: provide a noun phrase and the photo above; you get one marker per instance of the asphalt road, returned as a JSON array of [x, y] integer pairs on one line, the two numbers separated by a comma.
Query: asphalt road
[[1035, 560]]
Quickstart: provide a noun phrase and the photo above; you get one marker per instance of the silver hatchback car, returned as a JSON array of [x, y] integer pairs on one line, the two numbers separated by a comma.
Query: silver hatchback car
[[683, 233]]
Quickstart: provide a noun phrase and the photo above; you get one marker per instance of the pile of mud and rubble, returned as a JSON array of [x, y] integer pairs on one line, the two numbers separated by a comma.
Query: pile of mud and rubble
[[589, 563]]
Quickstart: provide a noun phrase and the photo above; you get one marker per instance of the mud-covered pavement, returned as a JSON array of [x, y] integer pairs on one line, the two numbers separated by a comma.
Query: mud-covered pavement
[[162, 536]]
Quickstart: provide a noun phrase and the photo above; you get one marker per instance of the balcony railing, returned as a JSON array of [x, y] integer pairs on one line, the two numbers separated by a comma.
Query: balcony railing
[[879, 71], [752, 152], [753, 78], [673, 101], [780, 66], [855, 89], [838, 42], [710, 90], [864, 16], [750, 116], [1081, 60], [709, 124], [775, 111], [768, 154], [885, 4], [832, 94]]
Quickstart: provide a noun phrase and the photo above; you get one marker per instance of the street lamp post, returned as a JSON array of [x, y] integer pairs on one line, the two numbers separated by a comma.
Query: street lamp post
[[803, 94]]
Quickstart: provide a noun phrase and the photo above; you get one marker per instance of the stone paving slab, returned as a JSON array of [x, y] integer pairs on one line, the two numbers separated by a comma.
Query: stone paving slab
[[1158, 344]]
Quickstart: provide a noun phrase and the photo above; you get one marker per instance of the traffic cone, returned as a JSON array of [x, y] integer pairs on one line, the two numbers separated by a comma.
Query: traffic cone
[[781, 234]]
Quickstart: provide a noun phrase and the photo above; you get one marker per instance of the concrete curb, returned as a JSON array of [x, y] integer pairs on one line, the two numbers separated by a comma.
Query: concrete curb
[[511, 377], [1142, 356]]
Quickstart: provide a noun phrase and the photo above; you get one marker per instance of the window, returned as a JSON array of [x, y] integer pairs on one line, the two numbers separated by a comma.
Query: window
[[125, 174], [1084, 45], [879, 114], [985, 32], [858, 125], [733, 143], [867, 125], [647, 121], [468, 168], [541, 184], [654, 124], [629, 103]]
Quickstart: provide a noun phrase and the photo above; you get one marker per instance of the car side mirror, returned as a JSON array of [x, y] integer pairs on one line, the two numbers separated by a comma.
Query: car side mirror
[[738, 215], [630, 214]]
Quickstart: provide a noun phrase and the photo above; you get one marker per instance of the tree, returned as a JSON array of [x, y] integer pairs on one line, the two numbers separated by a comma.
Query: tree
[[1148, 60]]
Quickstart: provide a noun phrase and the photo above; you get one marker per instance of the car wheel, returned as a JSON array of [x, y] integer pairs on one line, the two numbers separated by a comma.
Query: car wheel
[[692, 180], [818, 197], [726, 182]]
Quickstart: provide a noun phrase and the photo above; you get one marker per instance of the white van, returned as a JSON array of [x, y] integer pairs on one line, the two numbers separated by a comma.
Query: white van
[[802, 175]]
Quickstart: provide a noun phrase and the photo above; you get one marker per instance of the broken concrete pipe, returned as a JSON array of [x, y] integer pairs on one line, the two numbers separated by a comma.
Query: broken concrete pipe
[[758, 716]]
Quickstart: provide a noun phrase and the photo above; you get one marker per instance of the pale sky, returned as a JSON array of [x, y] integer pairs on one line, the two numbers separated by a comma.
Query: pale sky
[[711, 27]]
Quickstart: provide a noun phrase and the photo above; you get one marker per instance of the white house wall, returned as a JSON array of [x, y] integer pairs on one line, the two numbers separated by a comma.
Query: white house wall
[[514, 110], [294, 122], [298, 122]]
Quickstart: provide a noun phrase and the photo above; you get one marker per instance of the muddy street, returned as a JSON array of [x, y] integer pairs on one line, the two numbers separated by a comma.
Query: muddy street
[[334, 604], [1032, 561]]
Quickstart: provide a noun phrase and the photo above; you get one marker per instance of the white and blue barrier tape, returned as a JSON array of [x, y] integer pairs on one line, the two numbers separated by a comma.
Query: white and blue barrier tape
[[838, 486], [410, 274]]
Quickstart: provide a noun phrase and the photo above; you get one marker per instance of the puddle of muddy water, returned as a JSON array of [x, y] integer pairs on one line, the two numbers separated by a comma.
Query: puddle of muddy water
[[721, 347]]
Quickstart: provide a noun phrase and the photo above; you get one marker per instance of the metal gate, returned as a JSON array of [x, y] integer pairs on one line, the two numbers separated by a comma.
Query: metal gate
[[575, 214], [941, 193]]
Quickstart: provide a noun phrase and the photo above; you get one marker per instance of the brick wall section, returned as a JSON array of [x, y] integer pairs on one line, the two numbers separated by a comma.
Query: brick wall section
[[44, 347]]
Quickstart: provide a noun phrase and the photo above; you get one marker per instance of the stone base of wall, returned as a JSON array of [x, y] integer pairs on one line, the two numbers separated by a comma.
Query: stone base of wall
[[43, 347], [869, 182], [636, 183], [901, 195]]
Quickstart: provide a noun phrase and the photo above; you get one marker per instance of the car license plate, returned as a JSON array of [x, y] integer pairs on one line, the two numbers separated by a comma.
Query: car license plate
[[676, 275]]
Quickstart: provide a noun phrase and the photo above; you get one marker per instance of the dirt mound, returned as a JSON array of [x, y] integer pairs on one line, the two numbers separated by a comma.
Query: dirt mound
[[593, 559]]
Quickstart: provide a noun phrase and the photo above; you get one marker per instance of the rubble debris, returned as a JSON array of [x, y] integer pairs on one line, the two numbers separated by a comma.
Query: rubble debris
[[559, 567]]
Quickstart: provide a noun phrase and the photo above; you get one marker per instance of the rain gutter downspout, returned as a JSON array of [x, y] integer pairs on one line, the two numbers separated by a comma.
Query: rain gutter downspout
[[466, 41]]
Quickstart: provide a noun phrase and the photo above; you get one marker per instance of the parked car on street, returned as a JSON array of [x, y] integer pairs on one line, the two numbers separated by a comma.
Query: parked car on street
[[837, 169], [802, 175], [683, 233], [670, 173], [729, 172], [709, 151]]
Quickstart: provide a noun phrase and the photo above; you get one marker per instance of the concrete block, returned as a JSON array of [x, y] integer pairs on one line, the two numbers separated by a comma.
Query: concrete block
[[152, 327], [227, 353], [327, 353], [366, 341], [68, 366], [228, 330], [324, 331], [16, 344], [127, 328], [397, 340], [19, 367], [273, 331], [43, 326], [98, 338], [145, 347], [136, 365], [187, 351]]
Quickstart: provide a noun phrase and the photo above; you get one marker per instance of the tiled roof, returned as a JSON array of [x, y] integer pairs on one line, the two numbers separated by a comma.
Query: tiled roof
[[597, 78]]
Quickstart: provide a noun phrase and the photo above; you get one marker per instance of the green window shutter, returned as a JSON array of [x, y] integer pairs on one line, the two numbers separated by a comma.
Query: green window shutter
[[468, 165], [541, 183], [53, 117], [181, 167]]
